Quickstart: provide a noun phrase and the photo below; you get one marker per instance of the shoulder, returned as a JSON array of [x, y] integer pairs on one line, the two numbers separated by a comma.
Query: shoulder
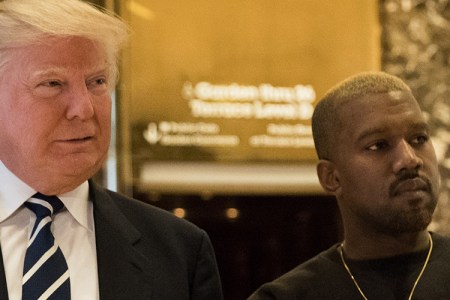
[[303, 281], [151, 221], [437, 271], [179, 251], [441, 248], [440, 240]]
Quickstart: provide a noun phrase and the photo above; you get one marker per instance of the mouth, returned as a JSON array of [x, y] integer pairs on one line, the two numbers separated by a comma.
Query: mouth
[[76, 140], [413, 185], [83, 139]]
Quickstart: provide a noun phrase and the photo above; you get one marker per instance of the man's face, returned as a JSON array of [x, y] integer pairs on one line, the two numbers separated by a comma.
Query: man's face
[[386, 164], [55, 110]]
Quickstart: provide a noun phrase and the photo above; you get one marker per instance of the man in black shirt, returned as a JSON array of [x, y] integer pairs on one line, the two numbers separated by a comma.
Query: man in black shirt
[[376, 157]]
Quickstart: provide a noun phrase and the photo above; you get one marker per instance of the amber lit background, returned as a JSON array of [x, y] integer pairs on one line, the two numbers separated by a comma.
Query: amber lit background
[[225, 43], [262, 206]]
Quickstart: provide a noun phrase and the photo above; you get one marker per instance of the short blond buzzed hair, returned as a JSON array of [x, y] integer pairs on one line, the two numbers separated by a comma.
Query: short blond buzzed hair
[[325, 120]]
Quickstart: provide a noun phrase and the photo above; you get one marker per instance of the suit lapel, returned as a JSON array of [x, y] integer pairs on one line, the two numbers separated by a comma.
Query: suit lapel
[[3, 287], [124, 273]]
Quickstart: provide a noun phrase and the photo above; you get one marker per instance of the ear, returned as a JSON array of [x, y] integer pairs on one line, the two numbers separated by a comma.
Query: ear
[[328, 176]]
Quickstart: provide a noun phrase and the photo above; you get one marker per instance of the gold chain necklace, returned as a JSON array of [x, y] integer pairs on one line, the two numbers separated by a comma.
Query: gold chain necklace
[[341, 252]]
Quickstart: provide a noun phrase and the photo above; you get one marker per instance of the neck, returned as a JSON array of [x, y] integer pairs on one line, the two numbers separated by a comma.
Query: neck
[[381, 246]]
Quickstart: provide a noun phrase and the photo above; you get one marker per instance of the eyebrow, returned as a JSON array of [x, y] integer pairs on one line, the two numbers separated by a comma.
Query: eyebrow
[[418, 126], [58, 71], [47, 72]]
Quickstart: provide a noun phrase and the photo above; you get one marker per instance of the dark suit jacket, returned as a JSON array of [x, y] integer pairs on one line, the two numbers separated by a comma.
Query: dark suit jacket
[[146, 253]]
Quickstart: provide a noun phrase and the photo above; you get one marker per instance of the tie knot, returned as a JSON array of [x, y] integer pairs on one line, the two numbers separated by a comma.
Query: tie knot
[[43, 205]]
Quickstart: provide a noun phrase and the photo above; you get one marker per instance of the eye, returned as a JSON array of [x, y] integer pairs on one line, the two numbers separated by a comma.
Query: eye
[[52, 83], [97, 82], [98, 85], [48, 88], [377, 146], [420, 139], [100, 81]]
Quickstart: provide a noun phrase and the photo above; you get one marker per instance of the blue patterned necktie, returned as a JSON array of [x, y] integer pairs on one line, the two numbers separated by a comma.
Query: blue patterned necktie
[[45, 272]]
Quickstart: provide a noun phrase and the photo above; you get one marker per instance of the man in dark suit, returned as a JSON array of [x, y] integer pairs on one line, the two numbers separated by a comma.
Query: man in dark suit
[[57, 70]]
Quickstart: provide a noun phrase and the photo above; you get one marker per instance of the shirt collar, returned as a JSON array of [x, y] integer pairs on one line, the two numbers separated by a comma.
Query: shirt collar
[[76, 202], [14, 192]]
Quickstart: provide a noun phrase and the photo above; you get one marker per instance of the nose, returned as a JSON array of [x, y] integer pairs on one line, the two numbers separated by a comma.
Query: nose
[[80, 103], [406, 157]]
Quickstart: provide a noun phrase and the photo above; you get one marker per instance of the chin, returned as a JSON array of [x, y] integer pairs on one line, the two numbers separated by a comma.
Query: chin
[[82, 168], [414, 224]]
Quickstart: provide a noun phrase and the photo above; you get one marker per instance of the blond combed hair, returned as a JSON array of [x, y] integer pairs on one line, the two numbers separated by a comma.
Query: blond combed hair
[[27, 22]]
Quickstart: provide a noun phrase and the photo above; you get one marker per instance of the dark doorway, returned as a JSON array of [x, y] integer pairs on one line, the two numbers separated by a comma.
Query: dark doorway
[[257, 238]]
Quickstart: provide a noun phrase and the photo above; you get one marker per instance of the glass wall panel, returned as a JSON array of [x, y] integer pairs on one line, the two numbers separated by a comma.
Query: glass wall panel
[[222, 92], [214, 104]]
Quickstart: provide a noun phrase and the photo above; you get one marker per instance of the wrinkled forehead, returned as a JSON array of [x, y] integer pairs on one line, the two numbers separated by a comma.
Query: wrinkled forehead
[[59, 55]]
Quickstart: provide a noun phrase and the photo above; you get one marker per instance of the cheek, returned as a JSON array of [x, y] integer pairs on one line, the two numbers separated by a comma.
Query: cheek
[[434, 174], [430, 165], [16, 115], [360, 180], [103, 114], [22, 138]]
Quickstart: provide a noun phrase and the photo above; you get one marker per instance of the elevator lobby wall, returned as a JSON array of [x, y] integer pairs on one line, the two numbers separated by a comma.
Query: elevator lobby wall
[[216, 91], [213, 120], [214, 108]]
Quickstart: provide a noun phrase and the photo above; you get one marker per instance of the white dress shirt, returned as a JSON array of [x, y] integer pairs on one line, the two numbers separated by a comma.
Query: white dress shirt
[[73, 229]]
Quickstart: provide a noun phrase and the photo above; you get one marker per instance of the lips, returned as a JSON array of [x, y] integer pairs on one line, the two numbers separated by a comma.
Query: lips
[[79, 136], [411, 185], [79, 139], [74, 141]]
